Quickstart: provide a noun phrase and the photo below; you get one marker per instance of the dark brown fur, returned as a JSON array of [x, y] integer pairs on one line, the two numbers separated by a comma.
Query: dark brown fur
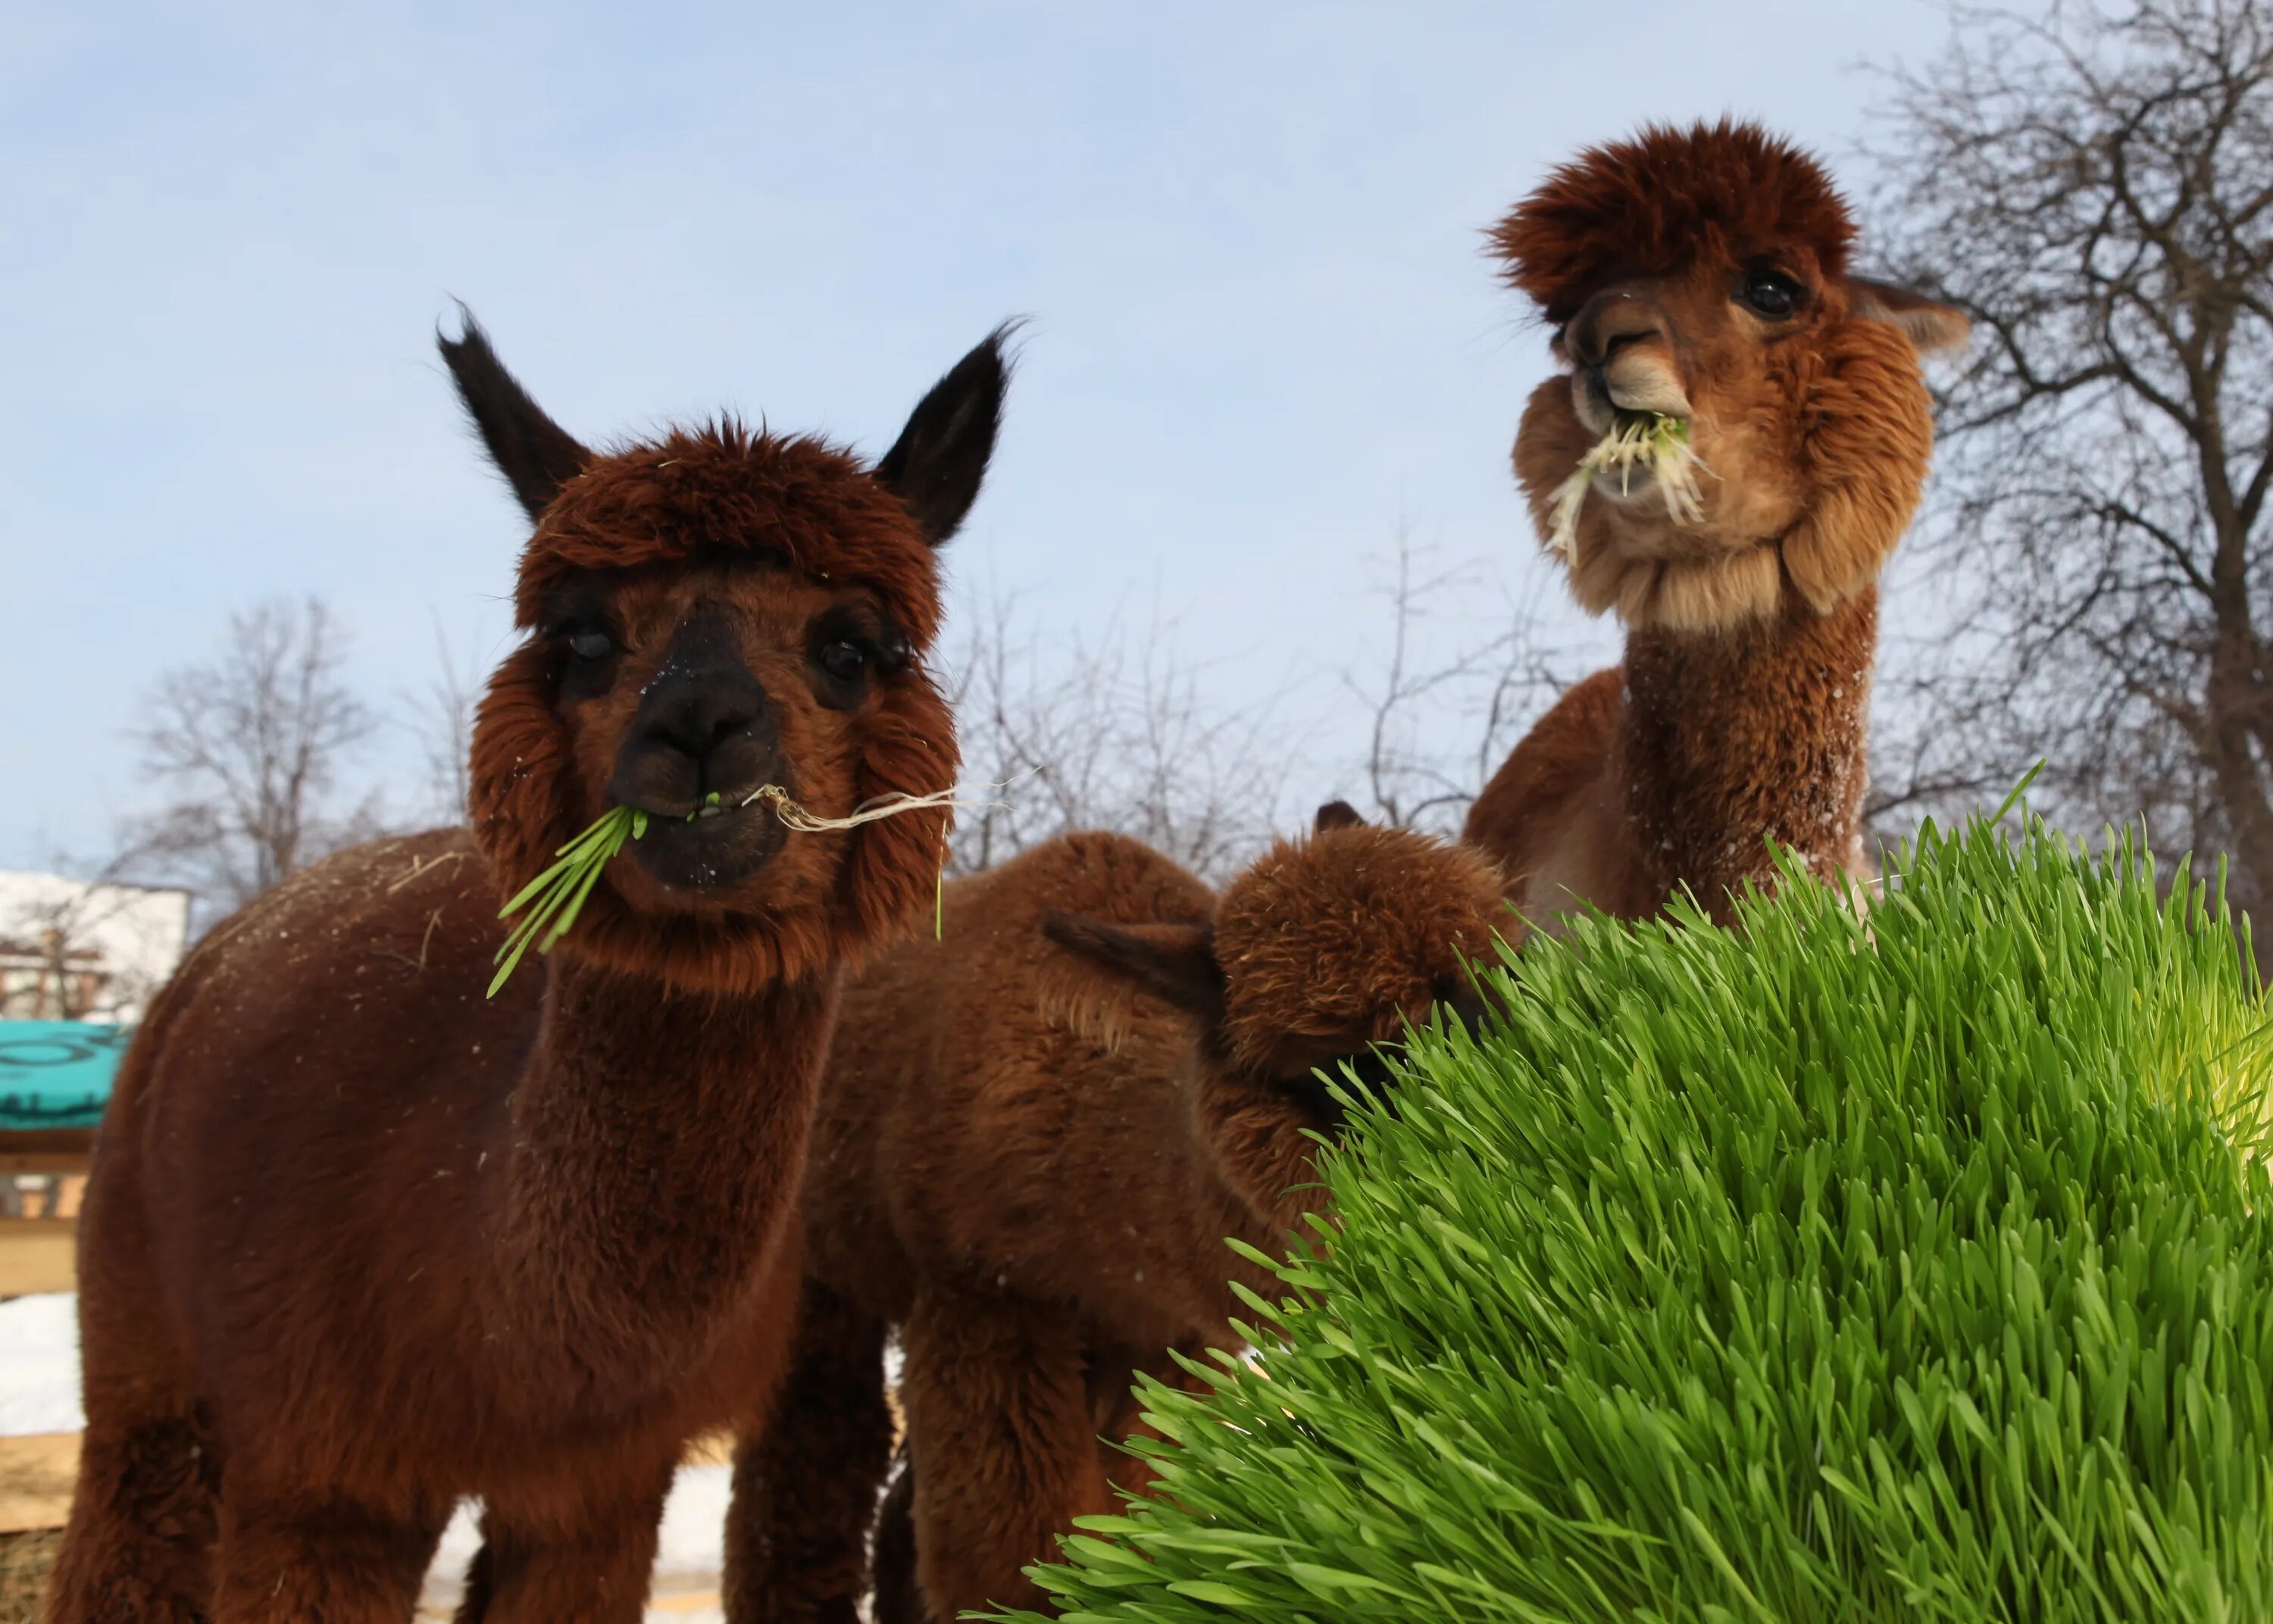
[[360, 1242], [1035, 1136], [1741, 712]]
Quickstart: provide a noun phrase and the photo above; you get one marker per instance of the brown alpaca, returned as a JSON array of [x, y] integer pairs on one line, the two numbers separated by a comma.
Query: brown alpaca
[[1702, 274], [360, 1242], [1034, 1139]]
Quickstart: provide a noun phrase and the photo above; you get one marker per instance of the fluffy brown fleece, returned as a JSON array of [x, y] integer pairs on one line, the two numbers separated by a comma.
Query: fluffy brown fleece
[[723, 492], [1702, 274], [1725, 192], [1035, 1137], [361, 1242]]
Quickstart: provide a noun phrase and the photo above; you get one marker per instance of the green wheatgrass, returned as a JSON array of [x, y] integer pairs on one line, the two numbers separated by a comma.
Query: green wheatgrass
[[1911, 1266], [556, 896]]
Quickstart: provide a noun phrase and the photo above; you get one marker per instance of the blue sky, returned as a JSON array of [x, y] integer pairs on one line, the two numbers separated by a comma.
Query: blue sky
[[1247, 236]]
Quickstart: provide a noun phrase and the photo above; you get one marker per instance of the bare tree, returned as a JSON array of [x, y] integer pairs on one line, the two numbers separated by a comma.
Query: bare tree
[[2094, 188], [253, 743], [1116, 732], [1113, 733], [1443, 713]]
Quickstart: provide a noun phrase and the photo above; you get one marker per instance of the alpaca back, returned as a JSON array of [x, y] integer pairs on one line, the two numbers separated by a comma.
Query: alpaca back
[[326, 1050]]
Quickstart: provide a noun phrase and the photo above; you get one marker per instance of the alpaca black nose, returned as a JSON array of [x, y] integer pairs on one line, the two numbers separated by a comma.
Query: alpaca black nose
[[705, 726], [696, 716]]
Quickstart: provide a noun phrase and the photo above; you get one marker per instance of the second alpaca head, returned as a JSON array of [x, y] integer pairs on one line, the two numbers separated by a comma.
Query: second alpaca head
[[1703, 274]]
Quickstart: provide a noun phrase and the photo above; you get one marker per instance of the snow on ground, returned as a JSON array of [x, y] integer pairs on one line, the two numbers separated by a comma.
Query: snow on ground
[[39, 1393], [686, 1562], [39, 1364]]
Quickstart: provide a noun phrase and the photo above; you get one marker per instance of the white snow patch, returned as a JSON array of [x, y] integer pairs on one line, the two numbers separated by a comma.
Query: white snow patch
[[39, 1364], [687, 1557], [39, 1393]]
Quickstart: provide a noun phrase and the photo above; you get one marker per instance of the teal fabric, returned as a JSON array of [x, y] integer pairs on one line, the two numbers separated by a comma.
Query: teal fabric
[[57, 1074]]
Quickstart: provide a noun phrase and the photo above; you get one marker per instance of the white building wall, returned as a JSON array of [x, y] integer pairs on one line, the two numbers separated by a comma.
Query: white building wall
[[116, 944]]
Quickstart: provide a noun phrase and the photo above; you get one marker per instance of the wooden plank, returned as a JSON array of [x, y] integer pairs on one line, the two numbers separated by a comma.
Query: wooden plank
[[38, 1255], [44, 1162], [49, 1141], [36, 1475]]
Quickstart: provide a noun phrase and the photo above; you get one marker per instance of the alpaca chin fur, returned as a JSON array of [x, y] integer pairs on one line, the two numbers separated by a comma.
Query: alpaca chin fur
[[1026, 1162], [1851, 412], [713, 490]]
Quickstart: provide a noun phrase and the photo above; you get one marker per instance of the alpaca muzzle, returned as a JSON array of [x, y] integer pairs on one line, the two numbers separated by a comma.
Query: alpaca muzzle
[[704, 739], [1621, 350], [705, 734]]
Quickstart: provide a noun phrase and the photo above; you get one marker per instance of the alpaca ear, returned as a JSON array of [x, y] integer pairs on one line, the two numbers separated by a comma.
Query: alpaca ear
[[1173, 961], [536, 455], [1934, 327], [1336, 815], [936, 465]]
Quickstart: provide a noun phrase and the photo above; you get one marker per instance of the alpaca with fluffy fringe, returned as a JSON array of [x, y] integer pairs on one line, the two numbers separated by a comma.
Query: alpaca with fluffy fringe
[[1034, 1139], [1698, 287], [361, 1242]]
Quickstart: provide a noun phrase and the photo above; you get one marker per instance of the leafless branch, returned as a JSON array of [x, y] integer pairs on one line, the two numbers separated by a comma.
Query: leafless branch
[[253, 743]]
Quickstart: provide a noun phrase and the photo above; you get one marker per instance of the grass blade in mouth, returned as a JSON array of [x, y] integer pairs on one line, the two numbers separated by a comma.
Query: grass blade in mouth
[[1648, 440], [556, 896]]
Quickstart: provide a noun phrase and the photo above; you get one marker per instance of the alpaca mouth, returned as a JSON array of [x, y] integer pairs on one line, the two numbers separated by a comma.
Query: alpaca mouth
[[718, 844], [1633, 480], [1639, 453]]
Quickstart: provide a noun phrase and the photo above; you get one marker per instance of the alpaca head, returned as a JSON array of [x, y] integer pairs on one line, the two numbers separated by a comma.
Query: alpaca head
[[1325, 951], [1701, 276], [705, 613]]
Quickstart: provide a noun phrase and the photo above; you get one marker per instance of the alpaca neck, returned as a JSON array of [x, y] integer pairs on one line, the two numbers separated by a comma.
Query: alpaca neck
[[656, 1139], [1730, 740]]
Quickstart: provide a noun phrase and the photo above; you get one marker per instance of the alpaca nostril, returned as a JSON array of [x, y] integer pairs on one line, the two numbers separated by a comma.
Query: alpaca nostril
[[1610, 324], [697, 733]]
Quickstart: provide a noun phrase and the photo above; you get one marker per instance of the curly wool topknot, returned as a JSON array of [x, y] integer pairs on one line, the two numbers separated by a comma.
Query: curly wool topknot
[[723, 487], [1344, 933], [1662, 201]]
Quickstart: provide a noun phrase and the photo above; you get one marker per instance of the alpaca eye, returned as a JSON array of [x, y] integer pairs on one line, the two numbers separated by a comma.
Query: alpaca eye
[[591, 645], [1771, 293], [843, 661]]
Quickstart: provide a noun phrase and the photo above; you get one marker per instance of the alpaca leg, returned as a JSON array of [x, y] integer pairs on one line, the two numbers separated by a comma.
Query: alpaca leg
[[1124, 1422], [143, 1522], [806, 1483], [590, 1564], [899, 1599], [139, 1544], [290, 1554], [1001, 1442]]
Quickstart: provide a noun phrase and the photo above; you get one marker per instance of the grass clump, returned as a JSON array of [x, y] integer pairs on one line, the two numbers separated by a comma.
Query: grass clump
[[1917, 1267], [1650, 441]]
